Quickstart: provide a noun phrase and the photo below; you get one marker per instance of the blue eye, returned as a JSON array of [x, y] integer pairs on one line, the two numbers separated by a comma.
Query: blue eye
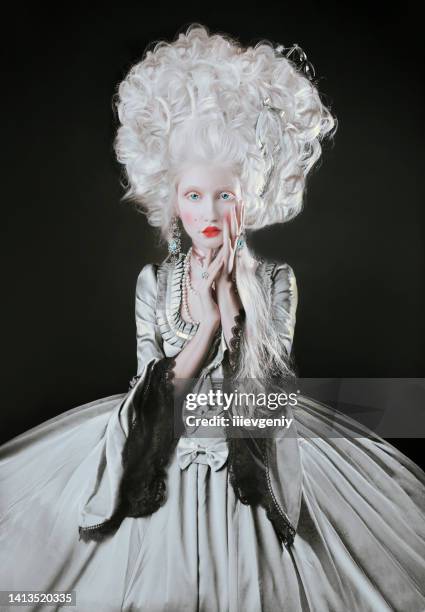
[[226, 196], [193, 196]]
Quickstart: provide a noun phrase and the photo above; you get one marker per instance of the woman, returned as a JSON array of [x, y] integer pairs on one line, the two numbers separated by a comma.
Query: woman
[[110, 499]]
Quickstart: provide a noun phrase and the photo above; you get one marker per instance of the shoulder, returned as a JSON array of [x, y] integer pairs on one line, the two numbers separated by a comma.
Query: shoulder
[[278, 272], [147, 275], [284, 278], [153, 275], [283, 283], [146, 285], [282, 270]]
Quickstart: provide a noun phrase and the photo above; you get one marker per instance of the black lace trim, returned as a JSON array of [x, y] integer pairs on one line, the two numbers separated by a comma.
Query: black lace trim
[[147, 451], [284, 530], [252, 485], [98, 532], [246, 476], [235, 340], [133, 382], [249, 477]]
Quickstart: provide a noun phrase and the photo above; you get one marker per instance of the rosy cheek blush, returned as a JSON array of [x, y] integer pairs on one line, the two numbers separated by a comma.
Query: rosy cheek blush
[[187, 217]]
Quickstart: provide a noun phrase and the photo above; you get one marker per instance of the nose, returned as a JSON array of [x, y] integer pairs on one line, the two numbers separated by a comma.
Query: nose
[[209, 212]]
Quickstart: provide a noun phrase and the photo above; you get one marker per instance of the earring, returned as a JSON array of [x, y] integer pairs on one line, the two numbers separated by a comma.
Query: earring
[[174, 239]]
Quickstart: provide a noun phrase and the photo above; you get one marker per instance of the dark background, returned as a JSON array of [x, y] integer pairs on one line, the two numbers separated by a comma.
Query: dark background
[[72, 250]]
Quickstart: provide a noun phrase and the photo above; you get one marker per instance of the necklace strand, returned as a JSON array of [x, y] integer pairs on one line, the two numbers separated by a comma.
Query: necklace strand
[[187, 286]]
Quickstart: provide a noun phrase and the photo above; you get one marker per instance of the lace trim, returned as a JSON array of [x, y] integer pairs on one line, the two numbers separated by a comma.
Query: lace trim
[[283, 527], [252, 485], [98, 532], [141, 494], [133, 382], [164, 375], [235, 340]]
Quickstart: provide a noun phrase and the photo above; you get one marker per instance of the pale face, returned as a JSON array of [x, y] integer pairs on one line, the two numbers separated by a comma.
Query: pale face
[[206, 195]]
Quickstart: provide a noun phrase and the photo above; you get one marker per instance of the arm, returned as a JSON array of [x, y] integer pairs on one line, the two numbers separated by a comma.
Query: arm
[[191, 358], [189, 361], [151, 359], [144, 415], [149, 341], [230, 305], [128, 469], [284, 304]]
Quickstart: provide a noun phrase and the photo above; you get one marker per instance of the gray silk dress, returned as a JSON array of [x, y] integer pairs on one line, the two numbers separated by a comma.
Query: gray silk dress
[[355, 502]]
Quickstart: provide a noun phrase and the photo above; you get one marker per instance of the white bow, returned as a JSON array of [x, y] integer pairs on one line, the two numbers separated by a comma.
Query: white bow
[[191, 450]]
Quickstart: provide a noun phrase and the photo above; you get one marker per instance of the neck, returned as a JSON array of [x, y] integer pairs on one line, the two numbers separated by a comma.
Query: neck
[[200, 254]]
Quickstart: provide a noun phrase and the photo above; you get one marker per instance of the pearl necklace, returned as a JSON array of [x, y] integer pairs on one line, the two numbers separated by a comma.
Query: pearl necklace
[[187, 286], [187, 264]]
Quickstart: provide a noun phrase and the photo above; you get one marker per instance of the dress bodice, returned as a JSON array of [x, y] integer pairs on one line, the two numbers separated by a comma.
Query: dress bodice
[[161, 330]]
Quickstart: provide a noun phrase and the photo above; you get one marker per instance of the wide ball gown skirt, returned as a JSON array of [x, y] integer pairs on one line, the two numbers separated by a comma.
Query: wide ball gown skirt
[[360, 543]]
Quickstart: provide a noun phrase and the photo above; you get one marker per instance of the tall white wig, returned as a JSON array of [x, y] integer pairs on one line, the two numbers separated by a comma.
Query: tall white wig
[[199, 99]]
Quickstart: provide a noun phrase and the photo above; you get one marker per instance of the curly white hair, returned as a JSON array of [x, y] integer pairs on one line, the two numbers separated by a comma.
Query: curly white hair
[[198, 99]]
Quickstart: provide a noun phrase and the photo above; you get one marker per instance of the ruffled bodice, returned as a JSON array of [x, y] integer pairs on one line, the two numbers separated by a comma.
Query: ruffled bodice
[[161, 331]]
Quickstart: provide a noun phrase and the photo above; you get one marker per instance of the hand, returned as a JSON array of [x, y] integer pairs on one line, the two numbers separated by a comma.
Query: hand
[[210, 310], [232, 229]]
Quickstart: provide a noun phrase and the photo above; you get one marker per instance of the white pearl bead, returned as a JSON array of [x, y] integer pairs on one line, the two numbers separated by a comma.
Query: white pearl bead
[[186, 286]]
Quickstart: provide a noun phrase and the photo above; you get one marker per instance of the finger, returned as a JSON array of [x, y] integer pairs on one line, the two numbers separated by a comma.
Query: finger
[[240, 215], [212, 277], [232, 260], [225, 229], [226, 238], [217, 253], [231, 257], [234, 228], [237, 216], [216, 260], [235, 240], [209, 257], [214, 269], [228, 246]]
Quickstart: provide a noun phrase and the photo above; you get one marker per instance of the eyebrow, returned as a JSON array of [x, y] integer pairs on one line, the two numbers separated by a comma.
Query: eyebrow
[[223, 188]]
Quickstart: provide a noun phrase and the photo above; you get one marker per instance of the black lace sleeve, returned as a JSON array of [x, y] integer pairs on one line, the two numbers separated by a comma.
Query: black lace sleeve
[[150, 442], [147, 450], [235, 341]]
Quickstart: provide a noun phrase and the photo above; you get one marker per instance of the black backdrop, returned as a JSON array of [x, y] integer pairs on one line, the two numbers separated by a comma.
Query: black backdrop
[[72, 250]]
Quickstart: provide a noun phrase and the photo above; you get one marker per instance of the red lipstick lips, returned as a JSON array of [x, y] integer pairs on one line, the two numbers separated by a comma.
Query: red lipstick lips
[[211, 231]]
